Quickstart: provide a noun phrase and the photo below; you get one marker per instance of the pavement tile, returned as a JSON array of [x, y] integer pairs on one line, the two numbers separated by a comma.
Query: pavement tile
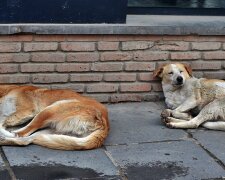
[[213, 141], [165, 160], [42, 163], [3, 171], [139, 122]]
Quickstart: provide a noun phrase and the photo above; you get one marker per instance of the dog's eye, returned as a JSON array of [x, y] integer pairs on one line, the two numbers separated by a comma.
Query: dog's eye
[[170, 73], [181, 71]]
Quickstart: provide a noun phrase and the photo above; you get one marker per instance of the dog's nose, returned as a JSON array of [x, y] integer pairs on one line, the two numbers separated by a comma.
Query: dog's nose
[[179, 79]]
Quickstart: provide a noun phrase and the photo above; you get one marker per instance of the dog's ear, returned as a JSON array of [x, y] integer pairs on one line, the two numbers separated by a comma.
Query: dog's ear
[[188, 69], [158, 72]]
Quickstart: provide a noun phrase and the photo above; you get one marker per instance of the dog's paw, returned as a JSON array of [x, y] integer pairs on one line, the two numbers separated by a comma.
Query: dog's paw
[[170, 125], [168, 120], [166, 113]]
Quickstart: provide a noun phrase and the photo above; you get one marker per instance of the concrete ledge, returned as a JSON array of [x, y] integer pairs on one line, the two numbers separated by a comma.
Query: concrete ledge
[[136, 24]]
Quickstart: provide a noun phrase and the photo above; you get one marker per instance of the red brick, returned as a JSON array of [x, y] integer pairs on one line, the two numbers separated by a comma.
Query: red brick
[[214, 55], [20, 57], [198, 74], [115, 98], [8, 68], [84, 38], [14, 79], [172, 46], [100, 97], [172, 38], [82, 57], [37, 67], [157, 87], [136, 45], [146, 77], [137, 66], [185, 55], [116, 56], [151, 56], [86, 77], [48, 57], [102, 87], [206, 45], [214, 75], [156, 96], [50, 38], [16, 38], [78, 46], [205, 65], [110, 46], [10, 47], [45, 46], [49, 78], [120, 77], [205, 38], [76, 87], [107, 67], [135, 87], [72, 67]]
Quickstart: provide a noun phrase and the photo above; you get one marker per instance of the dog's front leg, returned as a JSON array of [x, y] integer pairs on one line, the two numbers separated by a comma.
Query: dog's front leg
[[176, 114], [182, 111]]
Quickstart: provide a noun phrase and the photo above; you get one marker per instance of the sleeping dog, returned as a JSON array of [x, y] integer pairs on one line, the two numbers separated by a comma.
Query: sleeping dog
[[191, 102], [60, 119]]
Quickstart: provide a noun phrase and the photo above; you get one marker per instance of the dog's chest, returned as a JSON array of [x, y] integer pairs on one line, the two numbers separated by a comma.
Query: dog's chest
[[173, 100]]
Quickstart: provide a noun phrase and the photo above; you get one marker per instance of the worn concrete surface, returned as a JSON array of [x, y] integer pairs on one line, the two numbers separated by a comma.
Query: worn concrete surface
[[135, 24], [139, 147]]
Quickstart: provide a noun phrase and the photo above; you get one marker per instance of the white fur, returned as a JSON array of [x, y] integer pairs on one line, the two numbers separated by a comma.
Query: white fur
[[7, 108], [220, 84]]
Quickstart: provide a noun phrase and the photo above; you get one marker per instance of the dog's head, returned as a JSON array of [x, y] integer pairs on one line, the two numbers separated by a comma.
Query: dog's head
[[174, 74]]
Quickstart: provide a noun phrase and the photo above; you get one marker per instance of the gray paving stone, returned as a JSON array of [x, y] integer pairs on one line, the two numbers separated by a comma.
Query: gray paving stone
[[139, 122], [3, 171], [167, 160], [45, 163], [212, 141]]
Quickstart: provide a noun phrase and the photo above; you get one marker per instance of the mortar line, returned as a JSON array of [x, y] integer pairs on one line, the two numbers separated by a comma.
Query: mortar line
[[213, 156], [121, 171], [7, 165]]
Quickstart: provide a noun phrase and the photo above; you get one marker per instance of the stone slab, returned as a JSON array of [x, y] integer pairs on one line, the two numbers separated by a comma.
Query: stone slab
[[139, 122], [168, 160], [213, 141], [42, 163], [3, 171]]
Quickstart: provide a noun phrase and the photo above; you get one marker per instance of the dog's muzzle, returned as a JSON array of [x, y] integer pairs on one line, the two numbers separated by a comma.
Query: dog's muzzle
[[180, 80]]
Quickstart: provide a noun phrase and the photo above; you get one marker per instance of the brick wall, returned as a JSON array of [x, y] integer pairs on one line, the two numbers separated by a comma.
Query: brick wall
[[110, 68]]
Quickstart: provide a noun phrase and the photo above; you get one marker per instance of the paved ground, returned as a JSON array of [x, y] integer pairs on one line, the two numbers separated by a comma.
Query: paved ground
[[139, 147]]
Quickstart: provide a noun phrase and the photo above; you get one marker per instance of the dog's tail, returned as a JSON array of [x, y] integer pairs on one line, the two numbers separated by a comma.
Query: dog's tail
[[65, 142]]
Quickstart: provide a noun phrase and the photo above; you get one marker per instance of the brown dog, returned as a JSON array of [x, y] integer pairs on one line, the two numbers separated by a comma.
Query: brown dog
[[61, 119], [186, 96]]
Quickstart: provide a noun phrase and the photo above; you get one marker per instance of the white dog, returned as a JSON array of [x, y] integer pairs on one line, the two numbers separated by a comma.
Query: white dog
[[186, 96]]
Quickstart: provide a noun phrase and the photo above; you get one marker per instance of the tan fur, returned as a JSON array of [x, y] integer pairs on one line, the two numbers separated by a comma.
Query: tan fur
[[205, 98], [73, 122]]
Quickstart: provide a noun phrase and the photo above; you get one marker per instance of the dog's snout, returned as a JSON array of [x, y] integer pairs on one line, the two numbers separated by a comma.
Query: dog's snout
[[179, 79]]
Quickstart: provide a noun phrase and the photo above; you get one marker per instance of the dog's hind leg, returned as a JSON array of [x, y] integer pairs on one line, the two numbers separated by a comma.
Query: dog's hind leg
[[218, 125], [22, 141]]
